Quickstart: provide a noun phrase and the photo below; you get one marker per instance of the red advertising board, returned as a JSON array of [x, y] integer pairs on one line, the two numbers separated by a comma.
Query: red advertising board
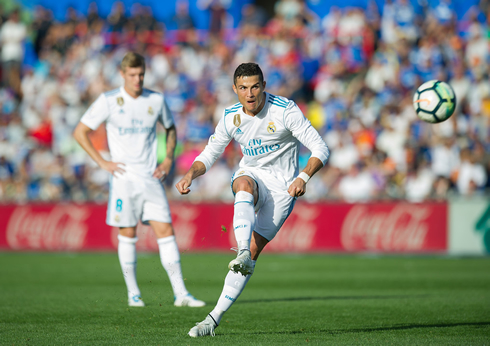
[[323, 227]]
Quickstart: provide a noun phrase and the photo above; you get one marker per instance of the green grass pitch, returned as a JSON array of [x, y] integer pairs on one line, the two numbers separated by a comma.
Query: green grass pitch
[[80, 299]]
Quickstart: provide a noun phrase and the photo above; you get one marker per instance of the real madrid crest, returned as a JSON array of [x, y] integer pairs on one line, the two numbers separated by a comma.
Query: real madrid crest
[[120, 101], [236, 120], [271, 128], [150, 110]]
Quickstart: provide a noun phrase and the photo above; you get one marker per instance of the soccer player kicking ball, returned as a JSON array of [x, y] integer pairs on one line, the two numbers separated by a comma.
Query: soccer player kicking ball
[[269, 129], [136, 191]]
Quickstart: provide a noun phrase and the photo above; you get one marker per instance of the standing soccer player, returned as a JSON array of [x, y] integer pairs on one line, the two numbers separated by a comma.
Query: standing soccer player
[[131, 114], [269, 129]]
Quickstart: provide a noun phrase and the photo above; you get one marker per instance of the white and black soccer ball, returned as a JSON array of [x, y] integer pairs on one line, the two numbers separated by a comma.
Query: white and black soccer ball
[[434, 101]]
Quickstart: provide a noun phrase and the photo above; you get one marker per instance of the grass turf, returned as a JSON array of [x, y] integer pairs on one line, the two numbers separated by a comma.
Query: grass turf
[[72, 299]]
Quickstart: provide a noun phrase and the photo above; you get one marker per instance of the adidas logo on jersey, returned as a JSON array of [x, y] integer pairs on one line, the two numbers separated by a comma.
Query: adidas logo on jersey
[[239, 132]]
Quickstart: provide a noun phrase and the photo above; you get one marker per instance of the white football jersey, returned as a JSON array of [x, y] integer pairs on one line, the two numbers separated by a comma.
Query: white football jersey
[[269, 141], [131, 126]]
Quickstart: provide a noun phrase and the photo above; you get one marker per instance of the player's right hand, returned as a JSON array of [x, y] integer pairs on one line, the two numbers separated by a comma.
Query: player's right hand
[[183, 185], [297, 188], [113, 167]]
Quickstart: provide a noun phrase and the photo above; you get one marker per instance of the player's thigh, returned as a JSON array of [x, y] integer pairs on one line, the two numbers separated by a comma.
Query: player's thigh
[[125, 204], [272, 215], [155, 206]]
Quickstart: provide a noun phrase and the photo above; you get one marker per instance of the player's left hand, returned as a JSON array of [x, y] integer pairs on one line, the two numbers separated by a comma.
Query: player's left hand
[[297, 188], [163, 169]]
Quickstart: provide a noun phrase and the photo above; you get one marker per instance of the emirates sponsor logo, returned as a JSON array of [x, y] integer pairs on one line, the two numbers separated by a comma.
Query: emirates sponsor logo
[[401, 228], [60, 228]]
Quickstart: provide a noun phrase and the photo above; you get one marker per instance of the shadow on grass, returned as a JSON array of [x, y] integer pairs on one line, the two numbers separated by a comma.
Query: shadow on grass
[[406, 327], [293, 299], [380, 329]]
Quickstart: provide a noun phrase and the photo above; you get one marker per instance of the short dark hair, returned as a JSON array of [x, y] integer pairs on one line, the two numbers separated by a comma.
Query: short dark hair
[[132, 59], [247, 70]]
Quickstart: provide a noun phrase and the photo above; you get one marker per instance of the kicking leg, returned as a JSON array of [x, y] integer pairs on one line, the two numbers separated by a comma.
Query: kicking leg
[[234, 285], [126, 251], [170, 258]]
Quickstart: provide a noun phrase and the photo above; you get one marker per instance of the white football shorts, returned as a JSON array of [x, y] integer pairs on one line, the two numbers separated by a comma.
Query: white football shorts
[[133, 198], [274, 204]]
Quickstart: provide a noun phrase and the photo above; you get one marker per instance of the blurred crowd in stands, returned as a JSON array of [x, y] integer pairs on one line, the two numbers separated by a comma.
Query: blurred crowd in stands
[[352, 72]]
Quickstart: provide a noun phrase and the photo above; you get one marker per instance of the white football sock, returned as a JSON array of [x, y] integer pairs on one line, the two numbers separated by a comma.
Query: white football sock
[[126, 251], [244, 219], [170, 257], [234, 285]]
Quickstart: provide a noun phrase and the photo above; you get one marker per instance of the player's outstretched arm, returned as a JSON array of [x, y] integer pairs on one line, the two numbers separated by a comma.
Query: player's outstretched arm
[[197, 169], [298, 187], [163, 169], [81, 136]]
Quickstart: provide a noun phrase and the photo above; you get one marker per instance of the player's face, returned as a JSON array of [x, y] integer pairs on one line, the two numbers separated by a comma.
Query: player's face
[[250, 93], [133, 80]]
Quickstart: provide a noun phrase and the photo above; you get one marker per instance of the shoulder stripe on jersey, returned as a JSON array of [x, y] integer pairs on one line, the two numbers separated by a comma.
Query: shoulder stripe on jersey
[[228, 111], [274, 97], [111, 92], [278, 103], [282, 105], [232, 109], [276, 100]]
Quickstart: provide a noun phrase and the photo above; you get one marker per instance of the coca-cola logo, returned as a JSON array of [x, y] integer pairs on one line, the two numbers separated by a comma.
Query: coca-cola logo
[[401, 228], [184, 227], [60, 228]]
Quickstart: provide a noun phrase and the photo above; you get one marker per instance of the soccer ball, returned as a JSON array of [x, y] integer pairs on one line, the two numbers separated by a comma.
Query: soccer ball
[[434, 101]]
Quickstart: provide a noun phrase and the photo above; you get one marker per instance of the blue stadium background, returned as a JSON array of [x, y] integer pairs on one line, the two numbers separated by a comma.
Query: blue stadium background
[[164, 10]]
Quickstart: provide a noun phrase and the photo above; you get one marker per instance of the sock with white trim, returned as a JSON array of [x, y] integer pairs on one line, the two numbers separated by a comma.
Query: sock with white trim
[[126, 251], [244, 219], [170, 258], [234, 286]]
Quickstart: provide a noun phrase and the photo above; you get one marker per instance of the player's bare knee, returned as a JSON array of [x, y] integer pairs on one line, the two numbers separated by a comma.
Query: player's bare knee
[[129, 232], [162, 229], [244, 184]]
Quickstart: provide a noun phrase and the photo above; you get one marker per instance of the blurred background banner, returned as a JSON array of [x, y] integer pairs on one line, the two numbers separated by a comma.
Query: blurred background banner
[[378, 227], [469, 222]]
